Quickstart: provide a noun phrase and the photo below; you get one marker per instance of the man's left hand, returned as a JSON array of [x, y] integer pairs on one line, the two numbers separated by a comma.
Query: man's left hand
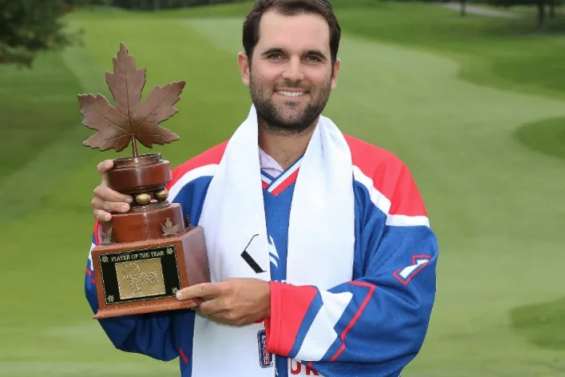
[[235, 302]]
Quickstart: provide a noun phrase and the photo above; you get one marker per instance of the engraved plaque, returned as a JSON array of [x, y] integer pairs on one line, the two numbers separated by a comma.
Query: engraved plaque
[[140, 278], [139, 274]]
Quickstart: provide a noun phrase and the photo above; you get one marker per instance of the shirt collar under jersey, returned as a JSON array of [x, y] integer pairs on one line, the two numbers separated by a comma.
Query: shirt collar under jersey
[[269, 165]]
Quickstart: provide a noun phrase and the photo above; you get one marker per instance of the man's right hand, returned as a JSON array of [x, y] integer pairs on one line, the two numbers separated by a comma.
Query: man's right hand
[[105, 200]]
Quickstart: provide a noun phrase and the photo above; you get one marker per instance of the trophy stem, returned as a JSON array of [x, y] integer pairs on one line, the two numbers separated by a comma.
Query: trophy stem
[[134, 149]]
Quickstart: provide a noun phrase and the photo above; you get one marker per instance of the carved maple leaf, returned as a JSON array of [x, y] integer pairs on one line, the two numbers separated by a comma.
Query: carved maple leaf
[[131, 119], [106, 234], [169, 229]]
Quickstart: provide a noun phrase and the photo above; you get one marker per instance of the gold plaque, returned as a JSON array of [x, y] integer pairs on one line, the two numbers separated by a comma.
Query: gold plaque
[[140, 278]]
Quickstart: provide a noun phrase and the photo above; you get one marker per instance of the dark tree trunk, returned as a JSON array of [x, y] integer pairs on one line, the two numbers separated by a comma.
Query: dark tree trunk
[[463, 10], [551, 8], [541, 13]]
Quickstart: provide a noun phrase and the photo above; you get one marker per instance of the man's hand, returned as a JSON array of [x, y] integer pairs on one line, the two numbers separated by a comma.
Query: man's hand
[[235, 302], [105, 200]]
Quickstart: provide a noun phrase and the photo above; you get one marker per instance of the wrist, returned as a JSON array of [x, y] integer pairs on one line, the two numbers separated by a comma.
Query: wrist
[[267, 300]]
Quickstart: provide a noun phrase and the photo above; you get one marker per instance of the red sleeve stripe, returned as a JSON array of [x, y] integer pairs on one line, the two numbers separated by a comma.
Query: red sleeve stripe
[[289, 305], [343, 335]]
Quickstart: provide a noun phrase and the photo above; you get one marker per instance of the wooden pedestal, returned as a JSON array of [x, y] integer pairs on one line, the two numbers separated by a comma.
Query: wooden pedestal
[[148, 254], [143, 276]]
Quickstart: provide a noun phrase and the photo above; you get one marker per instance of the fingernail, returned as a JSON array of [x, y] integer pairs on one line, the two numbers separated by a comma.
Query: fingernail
[[124, 207], [129, 199], [107, 217], [179, 296]]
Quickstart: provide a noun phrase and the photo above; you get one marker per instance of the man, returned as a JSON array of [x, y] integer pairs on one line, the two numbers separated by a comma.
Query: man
[[343, 275]]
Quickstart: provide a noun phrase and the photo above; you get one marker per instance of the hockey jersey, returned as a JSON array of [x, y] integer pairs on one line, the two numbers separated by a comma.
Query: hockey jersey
[[370, 326]]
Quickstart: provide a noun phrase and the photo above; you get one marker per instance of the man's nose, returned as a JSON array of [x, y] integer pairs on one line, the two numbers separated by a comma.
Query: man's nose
[[293, 70]]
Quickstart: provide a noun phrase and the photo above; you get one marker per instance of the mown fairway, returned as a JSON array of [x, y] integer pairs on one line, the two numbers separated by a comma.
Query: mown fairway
[[475, 106]]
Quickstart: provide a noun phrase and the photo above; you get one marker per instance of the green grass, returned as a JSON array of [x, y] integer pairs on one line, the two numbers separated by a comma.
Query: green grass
[[30, 105], [539, 323], [546, 136], [457, 99]]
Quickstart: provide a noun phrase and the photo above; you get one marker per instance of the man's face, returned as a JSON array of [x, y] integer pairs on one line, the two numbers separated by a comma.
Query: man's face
[[291, 73]]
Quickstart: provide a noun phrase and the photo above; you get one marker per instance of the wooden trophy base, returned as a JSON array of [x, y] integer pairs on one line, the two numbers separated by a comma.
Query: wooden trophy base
[[143, 276]]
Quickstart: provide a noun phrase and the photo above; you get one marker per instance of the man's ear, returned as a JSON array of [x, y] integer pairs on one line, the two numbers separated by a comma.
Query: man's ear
[[244, 65], [335, 72]]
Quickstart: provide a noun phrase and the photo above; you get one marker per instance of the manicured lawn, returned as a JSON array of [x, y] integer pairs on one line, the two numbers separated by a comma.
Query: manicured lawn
[[475, 106]]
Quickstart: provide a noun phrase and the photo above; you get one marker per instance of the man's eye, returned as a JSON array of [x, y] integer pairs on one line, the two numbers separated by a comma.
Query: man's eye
[[275, 56], [314, 59]]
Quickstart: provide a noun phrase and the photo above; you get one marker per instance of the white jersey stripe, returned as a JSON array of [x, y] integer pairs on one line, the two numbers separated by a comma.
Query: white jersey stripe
[[321, 334], [266, 179], [383, 203], [92, 246], [277, 182], [191, 175]]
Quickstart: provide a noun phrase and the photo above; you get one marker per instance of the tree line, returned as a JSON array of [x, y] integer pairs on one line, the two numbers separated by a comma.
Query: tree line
[[149, 4], [29, 26], [544, 8]]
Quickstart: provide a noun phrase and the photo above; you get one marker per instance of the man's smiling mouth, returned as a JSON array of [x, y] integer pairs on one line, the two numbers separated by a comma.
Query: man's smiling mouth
[[290, 93]]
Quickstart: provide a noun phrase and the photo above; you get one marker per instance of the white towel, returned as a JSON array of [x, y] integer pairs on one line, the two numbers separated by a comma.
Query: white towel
[[320, 236]]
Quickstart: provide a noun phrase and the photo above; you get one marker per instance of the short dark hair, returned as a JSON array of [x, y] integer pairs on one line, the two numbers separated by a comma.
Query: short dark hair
[[290, 8]]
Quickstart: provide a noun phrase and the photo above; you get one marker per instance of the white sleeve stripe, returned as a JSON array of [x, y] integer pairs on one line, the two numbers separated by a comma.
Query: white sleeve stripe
[[402, 220], [321, 334], [383, 203], [92, 246], [377, 197], [191, 175]]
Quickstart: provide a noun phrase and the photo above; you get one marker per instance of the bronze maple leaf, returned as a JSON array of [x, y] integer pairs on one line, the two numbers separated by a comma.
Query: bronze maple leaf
[[131, 119], [106, 234], [168, 228]]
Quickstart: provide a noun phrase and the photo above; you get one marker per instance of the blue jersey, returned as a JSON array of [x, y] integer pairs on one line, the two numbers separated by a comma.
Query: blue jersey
[[393, 287]]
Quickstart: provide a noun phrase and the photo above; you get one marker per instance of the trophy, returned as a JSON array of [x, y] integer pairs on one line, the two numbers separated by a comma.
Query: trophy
[[146, 255]]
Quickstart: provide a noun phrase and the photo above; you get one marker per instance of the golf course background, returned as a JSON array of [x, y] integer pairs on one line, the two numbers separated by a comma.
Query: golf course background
[[474, 105]]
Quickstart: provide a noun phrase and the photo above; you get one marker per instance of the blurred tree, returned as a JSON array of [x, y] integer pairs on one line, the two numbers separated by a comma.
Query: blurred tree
[[29, 26], [159, 4], [541, 5], [552, 5], [71, 4]]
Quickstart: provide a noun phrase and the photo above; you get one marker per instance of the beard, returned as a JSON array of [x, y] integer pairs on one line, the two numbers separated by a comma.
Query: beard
[[287, 117]]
